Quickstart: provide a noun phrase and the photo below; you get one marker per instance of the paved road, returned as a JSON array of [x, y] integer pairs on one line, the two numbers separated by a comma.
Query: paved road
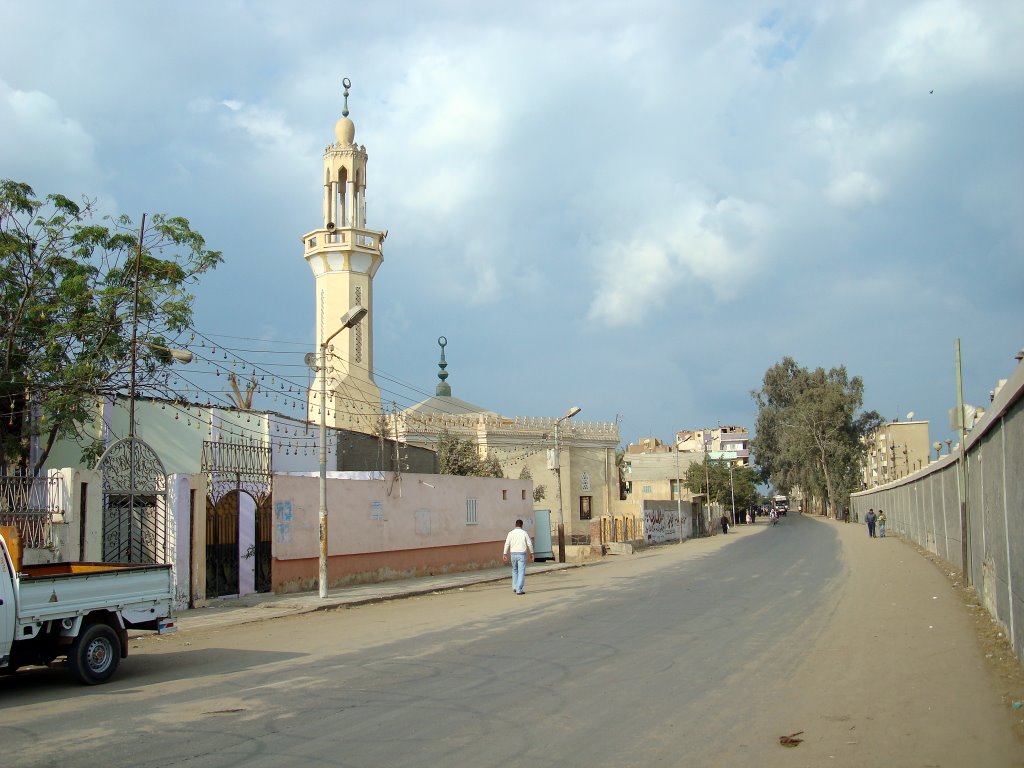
[[677, 656]]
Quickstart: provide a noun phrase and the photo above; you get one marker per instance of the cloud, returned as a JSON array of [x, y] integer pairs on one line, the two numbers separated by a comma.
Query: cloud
[[853, 189], [699, 249], [41, 142], [944, 39]]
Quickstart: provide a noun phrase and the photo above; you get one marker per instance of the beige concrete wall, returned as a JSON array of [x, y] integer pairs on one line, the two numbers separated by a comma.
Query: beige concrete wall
[[598, 462]]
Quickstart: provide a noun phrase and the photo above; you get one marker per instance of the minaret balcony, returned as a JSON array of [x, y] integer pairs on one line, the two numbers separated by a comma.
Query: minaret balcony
[[352, 237], [344, 249]]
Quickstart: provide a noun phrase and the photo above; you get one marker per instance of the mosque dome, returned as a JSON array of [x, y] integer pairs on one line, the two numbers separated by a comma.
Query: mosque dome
[[345, 131]]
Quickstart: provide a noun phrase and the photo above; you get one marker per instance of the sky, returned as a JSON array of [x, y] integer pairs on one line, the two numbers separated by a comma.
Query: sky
[[636, 208]]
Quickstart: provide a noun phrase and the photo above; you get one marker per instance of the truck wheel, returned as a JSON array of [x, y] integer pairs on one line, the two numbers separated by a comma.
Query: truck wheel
[[95, 654]]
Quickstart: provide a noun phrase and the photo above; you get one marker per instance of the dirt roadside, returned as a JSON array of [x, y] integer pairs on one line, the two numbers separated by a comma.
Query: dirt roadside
[[907, 670]]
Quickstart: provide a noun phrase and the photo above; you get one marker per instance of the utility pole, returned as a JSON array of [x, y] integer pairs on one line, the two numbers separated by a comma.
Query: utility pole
[[679, 495], [966, 573], [732, 491], [707, 480], [558, 478]]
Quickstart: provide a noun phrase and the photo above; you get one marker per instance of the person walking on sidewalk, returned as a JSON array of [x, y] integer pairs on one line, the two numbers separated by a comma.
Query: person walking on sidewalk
[[880, 517], [517, 547], [870, 518]]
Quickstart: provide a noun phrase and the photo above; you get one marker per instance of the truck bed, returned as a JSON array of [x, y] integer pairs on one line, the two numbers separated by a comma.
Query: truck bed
[[57, 590]]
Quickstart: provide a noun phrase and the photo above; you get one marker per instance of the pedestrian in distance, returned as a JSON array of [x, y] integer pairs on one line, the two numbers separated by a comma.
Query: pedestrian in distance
[[880, 517], [724, 522], [518, 547], [870, 519]]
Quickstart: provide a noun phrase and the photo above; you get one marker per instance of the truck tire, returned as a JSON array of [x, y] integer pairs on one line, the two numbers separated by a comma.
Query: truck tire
[[95, 654]]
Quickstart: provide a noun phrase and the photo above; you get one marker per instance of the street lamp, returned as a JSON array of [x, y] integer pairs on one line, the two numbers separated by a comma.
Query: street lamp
[[348, 320], [679, 495], [177, 355], [558, 478], [707, 478], [732, 491]]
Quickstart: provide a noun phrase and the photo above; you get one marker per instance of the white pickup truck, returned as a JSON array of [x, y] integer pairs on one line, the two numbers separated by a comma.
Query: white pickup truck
[[79, 610]]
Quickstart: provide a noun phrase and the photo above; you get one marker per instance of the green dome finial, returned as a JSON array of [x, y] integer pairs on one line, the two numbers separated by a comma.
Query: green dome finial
[[443, 389]]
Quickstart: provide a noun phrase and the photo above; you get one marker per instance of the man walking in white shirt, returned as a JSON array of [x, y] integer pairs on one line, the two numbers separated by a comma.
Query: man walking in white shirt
[[517, 545]]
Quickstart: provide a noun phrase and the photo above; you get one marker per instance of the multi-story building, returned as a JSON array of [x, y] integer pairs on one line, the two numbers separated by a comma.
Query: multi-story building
[[729, 443], [654, 471], [893, 451]]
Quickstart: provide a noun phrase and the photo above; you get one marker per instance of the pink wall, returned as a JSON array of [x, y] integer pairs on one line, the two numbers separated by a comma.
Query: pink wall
[[392, 528]]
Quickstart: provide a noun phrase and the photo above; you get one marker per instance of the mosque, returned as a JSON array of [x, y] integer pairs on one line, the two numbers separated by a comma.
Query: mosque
[[193, 483], [345, 256]]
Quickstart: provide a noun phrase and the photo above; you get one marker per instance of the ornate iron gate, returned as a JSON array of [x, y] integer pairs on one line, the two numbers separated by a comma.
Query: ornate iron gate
[[222, 546], [264, 523], [135, 516], [233, 469]]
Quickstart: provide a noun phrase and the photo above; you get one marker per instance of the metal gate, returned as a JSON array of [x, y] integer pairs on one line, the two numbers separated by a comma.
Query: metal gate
[[135, 515], [222, 546], [264, 523], [235, 468]]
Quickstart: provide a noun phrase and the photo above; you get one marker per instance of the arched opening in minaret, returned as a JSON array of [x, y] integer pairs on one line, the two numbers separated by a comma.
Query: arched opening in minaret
[[360, 202], [342, 199]]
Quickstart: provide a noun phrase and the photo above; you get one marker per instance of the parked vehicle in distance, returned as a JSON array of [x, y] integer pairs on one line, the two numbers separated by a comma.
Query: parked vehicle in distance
[[81, 611]]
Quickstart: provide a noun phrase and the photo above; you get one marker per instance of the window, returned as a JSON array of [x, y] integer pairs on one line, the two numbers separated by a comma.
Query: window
[[504, 494], [585, 482], [524, 494], [471, 512], [585, 507], [647, 489]]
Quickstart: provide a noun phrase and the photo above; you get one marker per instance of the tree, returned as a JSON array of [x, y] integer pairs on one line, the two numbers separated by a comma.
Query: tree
[[742, 485], [809, 431], [75, 292], [539, 490], [456, 456]]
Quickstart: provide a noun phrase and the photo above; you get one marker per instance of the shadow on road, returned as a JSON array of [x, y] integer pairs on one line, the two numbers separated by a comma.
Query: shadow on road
[[33, 684]]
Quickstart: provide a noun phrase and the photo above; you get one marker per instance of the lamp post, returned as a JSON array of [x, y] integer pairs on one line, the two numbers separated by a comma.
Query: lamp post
[[178, 355], [732, 491], [348, 320], [558, 478], [679, 495], [707, 479]]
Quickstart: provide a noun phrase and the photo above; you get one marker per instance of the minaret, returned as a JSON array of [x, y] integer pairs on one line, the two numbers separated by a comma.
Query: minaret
[[344, 256]]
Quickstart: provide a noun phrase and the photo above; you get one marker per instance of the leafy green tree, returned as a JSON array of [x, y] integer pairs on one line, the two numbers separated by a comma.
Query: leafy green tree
[[539, 490], [742, 483], [491, 467], [810, 430], [69, 308], [456, 456]]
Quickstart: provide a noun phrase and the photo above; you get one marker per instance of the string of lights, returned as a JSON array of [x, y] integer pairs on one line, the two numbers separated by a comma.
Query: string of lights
[[270, 376]]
